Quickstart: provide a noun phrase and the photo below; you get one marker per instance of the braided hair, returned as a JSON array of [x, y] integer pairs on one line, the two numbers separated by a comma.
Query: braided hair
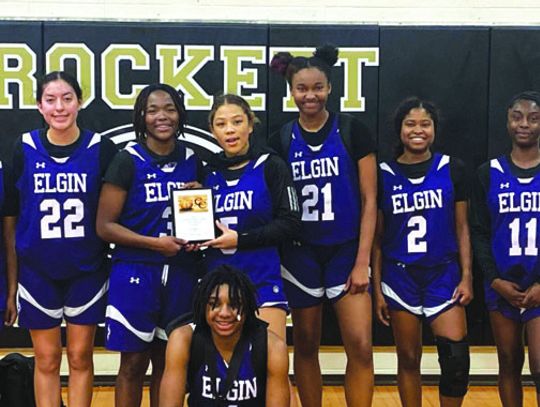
[[242, 295], [139, 110], [323, 59]]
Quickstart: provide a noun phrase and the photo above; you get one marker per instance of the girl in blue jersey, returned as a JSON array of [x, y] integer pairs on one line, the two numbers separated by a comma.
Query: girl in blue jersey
[[505, 220], [57, 173], [228, 358], [255, 205], [152, 278], [422, 256], [332, 160]]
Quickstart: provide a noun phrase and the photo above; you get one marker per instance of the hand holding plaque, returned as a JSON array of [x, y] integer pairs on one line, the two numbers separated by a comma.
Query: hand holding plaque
[[193, 214]]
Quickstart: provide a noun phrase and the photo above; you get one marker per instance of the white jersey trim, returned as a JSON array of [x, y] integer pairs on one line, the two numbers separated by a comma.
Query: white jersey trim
[[27, 139], [385, 167], [74, 311], [96, 139], [445, 160], [53, 313], [494, 163], [314, 292], [392, 294], [117, 316], [261, 159], [134, 152]]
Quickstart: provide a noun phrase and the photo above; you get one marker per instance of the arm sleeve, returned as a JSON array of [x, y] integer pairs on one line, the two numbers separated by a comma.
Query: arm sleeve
[[286, 214], [460, 179], [361, 141], [274, 142], [106, 154], [14, 171], [481, 225], [121, 171]]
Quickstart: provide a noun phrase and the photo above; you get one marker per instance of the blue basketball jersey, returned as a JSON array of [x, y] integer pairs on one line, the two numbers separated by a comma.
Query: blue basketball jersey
[[245, 391], [147, 209], [514, 206], [242, 205], [3, 284], [419, 221], [326, 181], [56, 229]]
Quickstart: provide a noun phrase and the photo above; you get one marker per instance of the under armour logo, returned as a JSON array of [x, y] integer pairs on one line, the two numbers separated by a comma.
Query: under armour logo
[[296, 243], [397, 187], [40, 165], [216, 187], [135, 280], [505, 185], [150, 176], [298, 154]]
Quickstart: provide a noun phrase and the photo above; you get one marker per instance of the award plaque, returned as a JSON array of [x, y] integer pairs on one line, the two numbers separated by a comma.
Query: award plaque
[[193, 214]]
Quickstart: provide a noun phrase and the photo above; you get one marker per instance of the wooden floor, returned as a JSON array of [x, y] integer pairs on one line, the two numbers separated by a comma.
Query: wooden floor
[[385, 396]]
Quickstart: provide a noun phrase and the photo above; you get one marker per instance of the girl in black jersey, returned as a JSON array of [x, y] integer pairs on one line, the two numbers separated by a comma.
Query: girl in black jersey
[[227, 339], [505, 220], [332, 161]]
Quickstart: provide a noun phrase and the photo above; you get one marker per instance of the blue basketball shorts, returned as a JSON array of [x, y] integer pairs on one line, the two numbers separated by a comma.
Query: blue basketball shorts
[[43, 302], [422, 291], [495, 302], [143, 299], [312, 273]]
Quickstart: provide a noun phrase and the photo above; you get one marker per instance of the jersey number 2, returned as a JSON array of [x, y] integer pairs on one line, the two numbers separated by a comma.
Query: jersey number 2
[[531, 249], [415, 244], [53, 210]]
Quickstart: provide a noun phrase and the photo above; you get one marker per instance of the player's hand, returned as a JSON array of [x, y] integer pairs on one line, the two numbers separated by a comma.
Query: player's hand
[[192, 247], [532, 296], [191, 185], [228, 240], [10, 314], [510, 291], [169, 245], [358, 281], [463, 293], [381, 308]]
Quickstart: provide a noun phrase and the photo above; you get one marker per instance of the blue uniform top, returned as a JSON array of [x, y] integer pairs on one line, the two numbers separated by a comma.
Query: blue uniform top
[[514, 207], [3, 288], [419, 215], [326, 181], [147, 209], [56, 228], [245, 391], [244, 204]]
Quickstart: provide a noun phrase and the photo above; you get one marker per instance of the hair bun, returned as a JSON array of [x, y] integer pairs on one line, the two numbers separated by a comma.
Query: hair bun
[[280, 62], [328, 53]]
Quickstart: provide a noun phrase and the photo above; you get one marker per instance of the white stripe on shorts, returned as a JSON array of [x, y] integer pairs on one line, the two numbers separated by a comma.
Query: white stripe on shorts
[[53, 313], [333, 292], [391, 293], [74, 311], [160, 333], [314, 292], [116, 315]]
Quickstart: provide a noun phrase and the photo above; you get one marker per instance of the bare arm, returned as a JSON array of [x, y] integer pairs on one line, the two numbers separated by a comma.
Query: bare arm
[[464, 291], [10, 314], [172, 390], [277, 383], [111, 203], [358, 281]]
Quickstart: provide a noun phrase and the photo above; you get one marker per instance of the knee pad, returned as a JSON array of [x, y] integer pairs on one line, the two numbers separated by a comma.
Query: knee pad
[[454, 360], [536, 380]]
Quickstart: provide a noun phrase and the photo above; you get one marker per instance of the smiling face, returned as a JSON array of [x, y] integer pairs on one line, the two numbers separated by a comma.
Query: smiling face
[[59, 105], [161, 117], [417, 131], [223, 318], [523, 123], [310, 89], [232, 127]]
